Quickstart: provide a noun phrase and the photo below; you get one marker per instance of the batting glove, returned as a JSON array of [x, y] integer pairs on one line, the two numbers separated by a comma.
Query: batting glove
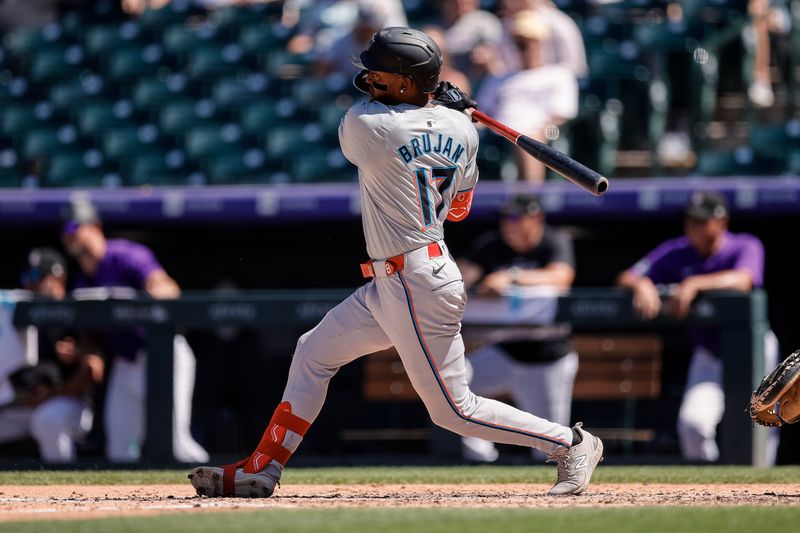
[[448, 95]]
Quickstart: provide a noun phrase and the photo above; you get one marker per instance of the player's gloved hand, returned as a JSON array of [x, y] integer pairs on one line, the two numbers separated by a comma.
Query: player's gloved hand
[[360, 81], [448, 95]]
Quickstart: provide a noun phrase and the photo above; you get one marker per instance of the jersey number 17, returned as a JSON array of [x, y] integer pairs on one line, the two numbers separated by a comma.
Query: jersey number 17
[[442, 179]]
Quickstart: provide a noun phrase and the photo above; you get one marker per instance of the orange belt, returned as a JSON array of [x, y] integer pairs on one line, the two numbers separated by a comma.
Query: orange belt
[[395, 264]]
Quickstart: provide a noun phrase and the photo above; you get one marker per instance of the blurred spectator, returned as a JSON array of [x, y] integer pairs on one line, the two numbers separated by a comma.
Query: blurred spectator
[[137, 7], [469, 30], [320, 23], [563, 46], [534, 99], [27, 13], [122, 263], [448, 71], [371, 18], [708, 257], [53, 398], [535, 366], [767, 18]]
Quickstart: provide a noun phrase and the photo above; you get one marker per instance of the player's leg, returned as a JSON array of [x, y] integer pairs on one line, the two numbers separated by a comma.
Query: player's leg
[[701, 408], [489, 372], [124, 415], [424, 325], [57, 425], [185, 448], [347, 332], [421, 314], [545, 389]]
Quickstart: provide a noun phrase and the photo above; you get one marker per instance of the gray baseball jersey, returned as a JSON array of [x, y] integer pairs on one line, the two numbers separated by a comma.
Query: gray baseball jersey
[[411, 162]]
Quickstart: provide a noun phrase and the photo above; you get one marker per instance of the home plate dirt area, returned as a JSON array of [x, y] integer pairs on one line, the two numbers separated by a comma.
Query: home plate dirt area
[[76, 501]]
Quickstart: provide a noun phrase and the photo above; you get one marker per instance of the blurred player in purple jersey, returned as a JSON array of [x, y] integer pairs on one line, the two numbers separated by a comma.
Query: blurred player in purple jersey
[[121, 263], [708, 257]]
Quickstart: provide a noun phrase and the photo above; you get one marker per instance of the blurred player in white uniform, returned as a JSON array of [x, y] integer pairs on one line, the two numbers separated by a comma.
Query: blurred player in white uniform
[[416, 161]]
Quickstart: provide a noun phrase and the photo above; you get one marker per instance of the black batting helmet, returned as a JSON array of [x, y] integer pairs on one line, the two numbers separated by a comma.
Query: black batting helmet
[[403, 51]]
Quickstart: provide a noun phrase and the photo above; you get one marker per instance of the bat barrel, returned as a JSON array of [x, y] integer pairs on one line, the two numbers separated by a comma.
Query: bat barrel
[[572, 170]]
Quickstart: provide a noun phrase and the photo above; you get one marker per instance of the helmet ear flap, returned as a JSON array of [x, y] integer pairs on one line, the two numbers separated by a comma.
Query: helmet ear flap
[[360, 81]]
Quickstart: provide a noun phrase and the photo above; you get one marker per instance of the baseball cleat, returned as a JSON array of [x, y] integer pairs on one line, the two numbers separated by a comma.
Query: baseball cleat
[[576, 464], [208, 481]]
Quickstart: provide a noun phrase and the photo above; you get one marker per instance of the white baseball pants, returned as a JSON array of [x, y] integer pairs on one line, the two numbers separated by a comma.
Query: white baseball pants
[[125, 407], [56, 425], [418, 311], [542, 388], [704, 404]]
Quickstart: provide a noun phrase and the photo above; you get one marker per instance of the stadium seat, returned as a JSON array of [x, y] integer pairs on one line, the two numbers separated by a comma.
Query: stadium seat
[[261, 39], [98, 117], [174, 12], [156, 168], [292, 139], [259, 117], [741, 161], [241, 90], [232, 17], [57, 63], [67, 95], [181, 116], [122, 142], [314, 91], [213, 140], [237, 166], [151, 93], [135, 62], [182, 41], [9, 168], [106, 39], [321, 166], [217, 60], [775, 140], [16, 119], [70, 169], [45, 141], [23, 41]]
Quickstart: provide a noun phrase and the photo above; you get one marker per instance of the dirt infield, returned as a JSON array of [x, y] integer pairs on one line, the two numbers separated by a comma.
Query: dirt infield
[[73, 501]]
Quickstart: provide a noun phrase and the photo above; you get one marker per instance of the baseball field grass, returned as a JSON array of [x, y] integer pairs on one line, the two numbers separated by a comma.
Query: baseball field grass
[[621, 499]]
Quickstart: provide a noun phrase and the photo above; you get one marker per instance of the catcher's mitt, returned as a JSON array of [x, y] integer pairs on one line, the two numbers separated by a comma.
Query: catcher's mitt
[[776, 401]]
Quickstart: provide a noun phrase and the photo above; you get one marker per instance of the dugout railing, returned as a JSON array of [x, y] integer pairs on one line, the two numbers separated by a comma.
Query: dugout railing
[[741, 320]]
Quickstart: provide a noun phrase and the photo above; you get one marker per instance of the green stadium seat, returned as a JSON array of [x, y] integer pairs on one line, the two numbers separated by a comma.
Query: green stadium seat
[[775, 140], [70, 169], [175, 12], [218, 60], [241, 90], [213, 140], [156, 168], [281, 64], [237, 166], [152, 93], [98, 117], [181, 116], [45, 141], [182, 41], [57, 63], [14, 89], [322, 166], [16, 119], [233, 17], [9, 168], [292, 139], [106, 39], [67, 95], [23, 41], [135, 62], [122, 142], [330, 116], [261, 39], [742, 161]]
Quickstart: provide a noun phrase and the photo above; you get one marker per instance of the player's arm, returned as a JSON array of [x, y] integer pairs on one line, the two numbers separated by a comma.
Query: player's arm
[[556, 274], [159, 284], [746, 273]]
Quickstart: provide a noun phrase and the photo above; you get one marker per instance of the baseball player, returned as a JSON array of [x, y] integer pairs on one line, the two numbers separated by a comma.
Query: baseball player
[[415, 153], [53, 388], [122, 263]]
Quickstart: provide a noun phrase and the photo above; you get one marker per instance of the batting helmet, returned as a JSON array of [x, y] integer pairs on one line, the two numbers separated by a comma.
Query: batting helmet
[[403, 51]]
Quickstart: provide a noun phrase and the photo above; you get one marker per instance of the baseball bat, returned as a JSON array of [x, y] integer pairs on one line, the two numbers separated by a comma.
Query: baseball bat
[[580, 175]]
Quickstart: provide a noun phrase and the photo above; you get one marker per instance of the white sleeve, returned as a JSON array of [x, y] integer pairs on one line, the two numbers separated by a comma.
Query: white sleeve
[[361, 131], [471, 168], [564, 104]]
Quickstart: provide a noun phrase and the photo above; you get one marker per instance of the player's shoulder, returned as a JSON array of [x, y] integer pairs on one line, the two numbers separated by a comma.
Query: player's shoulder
[[745, 239], [124, 247]]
